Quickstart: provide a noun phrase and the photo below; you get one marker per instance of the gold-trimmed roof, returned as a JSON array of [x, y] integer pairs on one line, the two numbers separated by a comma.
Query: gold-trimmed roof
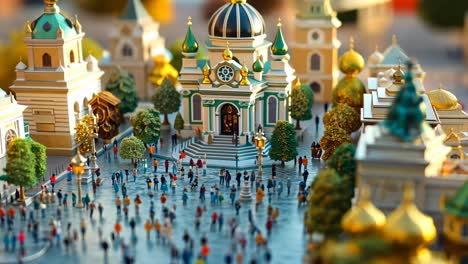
[[442, 99]]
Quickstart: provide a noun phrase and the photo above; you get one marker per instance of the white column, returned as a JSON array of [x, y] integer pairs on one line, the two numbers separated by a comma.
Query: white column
[[186, 112]]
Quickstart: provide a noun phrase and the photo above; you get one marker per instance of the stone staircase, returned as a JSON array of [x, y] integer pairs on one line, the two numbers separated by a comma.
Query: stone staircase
[[223, 149]]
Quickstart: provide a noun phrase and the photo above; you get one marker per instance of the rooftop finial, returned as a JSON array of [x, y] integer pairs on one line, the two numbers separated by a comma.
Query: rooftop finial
[[376, 48], [394, 40], [440, 86], [408, 194], [51, 6], [189, 21], [351, 43], [227, 54], [279, 22]]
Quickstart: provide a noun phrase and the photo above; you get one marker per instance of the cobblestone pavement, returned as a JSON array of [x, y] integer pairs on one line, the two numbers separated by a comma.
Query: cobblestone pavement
[[287, 233]]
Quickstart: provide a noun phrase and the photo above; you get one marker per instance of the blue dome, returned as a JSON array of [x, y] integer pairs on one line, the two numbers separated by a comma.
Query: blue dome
[[236, 19]]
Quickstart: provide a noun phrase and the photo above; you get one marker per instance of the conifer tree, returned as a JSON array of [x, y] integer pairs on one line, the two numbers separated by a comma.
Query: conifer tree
[[283, 142], [166, 99], [122, 85], [178, 122]]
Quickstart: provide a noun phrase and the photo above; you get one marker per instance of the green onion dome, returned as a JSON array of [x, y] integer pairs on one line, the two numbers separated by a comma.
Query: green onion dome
[[190, 44], [52, 21], [279, 46], [258, 65]]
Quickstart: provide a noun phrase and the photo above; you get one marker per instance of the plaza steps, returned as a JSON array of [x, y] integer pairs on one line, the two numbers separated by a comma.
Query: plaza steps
[[223, 149]]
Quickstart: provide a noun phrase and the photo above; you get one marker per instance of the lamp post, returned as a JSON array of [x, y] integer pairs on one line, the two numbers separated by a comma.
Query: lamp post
[[260, 144], [78, 162], [93, 119]]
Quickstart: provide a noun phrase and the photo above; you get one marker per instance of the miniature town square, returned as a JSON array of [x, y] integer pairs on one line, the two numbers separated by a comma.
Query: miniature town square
[[258, 140]]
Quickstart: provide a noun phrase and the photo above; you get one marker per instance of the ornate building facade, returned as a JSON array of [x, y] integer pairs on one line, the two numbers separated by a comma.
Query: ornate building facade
[[58, 82], [315, 47], [11, 121], [132, 43], [238, 88]]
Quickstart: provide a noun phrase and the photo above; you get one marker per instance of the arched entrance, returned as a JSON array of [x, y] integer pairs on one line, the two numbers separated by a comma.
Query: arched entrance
[[229, 120], [9, 136]]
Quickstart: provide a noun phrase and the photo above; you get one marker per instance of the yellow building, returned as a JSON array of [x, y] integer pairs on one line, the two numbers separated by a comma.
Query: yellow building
[[315, 47], [133, 42], [58, 82]]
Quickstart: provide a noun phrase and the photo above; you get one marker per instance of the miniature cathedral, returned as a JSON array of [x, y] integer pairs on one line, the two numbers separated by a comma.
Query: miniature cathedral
[[238, 88], [133, 42], [58, 83]]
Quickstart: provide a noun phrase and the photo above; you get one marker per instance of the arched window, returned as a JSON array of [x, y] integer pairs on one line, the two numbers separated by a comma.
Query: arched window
[[85, 105], [72, 57], [315, 62], [46, 60], [127, 51], [196, 108], [76, 107], [315, 86], [272, 110]]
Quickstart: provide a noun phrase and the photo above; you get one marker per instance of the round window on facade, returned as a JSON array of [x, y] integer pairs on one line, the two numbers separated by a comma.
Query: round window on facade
[[315, 36]]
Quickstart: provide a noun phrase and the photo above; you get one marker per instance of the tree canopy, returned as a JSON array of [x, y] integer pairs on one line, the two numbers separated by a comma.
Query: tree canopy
[[122, 85], [178, 122], [332, 138], [83, 135], [344, 163], [132, 148], [299, 104], [20, 168], [166, 99], [40, 155], [344, 116], [327, 204], [147, 125], [283, 142]]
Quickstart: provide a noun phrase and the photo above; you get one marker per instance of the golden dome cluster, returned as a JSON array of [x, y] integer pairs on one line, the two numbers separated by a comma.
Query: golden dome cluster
[[442, 99], [364, 218], [351, 62]]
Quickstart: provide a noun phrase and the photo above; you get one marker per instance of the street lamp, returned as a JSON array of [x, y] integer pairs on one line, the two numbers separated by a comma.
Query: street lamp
[[260, 144], [93, 125], [78, 162]]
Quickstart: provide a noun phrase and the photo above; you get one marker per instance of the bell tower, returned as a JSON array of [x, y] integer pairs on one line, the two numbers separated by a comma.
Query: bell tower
[[315, 46]]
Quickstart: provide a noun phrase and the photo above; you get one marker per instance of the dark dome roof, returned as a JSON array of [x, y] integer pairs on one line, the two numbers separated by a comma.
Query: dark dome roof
[[236, 19]]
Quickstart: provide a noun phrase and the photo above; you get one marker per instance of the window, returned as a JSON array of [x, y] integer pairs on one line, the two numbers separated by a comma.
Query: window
[[315, 36], [196, 108], [272, 110], [315, 62], [46, 60], [127, 51], [85, 105], [315, 86], [72, 57]]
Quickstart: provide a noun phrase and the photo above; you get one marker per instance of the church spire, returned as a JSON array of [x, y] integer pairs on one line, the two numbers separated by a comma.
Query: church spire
[[405, 120], [190, 45], [279, 47]]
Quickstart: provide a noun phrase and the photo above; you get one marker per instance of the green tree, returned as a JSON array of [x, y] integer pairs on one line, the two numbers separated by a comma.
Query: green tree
[[309, 94], [132, 148], [299, 104], [147, 125], [283, 142], [178, 122], [122, 85], [333, 137], [166, 99], [344, 163], [344, 116], [327, 204], [405, 120], [40, 155], [440, 14], [20, 166]]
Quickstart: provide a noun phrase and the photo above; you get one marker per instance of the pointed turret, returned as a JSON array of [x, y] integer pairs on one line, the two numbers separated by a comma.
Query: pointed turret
[[28, 29], [134, 11], [405, 120], [190, 45], [279, 49], [77, 24]]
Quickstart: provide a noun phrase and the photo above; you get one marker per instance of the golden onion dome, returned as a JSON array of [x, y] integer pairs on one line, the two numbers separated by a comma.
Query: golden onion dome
[[407, 226], [398, 75], [349, 90], [389, 74], [376, 57], [442, 99], [395, 87], [364, 218], [227, 54], [351, 62]]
